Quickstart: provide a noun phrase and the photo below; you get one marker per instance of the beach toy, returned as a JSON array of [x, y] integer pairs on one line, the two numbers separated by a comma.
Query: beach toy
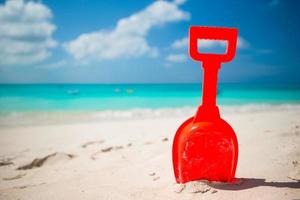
[[205, 146]]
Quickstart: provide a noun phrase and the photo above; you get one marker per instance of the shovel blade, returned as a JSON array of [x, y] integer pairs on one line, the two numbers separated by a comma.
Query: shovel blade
[[205, 150]]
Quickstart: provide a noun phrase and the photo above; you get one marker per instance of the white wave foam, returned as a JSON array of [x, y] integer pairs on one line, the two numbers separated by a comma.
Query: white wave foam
[[54, 117]]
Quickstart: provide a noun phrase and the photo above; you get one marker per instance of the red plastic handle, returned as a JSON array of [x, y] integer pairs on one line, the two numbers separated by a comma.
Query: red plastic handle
[[212, 33]]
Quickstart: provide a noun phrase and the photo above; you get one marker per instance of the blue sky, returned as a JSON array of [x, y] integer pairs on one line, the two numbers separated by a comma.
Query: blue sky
[[129, 41]]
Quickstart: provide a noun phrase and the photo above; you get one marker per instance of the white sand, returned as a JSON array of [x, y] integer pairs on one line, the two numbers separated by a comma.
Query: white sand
[[130, 158]]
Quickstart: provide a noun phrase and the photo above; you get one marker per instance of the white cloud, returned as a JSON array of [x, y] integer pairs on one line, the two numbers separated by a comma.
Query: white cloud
[[180, 44], [183, 43], [128, 38], [53, 65], [242, 43], [25, 32], [176, 58]]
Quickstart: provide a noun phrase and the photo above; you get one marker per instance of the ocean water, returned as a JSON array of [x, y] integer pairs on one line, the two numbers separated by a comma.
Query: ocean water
[[97, 97]]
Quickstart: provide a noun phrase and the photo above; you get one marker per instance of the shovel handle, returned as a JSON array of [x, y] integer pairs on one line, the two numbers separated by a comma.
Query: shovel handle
[[211, 64], [212, 33]]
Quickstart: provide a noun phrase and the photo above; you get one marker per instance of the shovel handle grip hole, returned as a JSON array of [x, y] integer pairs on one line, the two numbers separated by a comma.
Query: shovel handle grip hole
[[212, 46]]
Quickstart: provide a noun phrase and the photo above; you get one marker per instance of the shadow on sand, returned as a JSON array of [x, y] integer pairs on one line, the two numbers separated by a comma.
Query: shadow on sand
[[247, 183]]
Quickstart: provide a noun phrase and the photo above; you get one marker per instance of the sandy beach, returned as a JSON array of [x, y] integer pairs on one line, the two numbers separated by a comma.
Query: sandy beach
[[127, 155]]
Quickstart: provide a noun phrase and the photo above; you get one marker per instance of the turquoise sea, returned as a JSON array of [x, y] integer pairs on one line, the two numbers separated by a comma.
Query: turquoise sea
[[94, 97]]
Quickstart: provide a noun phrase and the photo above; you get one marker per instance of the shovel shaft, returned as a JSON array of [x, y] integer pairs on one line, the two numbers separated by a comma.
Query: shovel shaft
[[210, 81], [211, 64], [209, 110]]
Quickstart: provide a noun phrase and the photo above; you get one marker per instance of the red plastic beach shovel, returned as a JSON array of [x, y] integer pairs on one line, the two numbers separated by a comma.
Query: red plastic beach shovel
[[205, 146]]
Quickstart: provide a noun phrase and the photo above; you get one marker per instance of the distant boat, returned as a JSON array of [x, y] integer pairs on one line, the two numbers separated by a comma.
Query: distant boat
[[129, 91], [73, 92]]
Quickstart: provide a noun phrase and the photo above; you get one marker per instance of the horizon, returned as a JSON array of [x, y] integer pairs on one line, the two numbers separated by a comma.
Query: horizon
[[170, 83]]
